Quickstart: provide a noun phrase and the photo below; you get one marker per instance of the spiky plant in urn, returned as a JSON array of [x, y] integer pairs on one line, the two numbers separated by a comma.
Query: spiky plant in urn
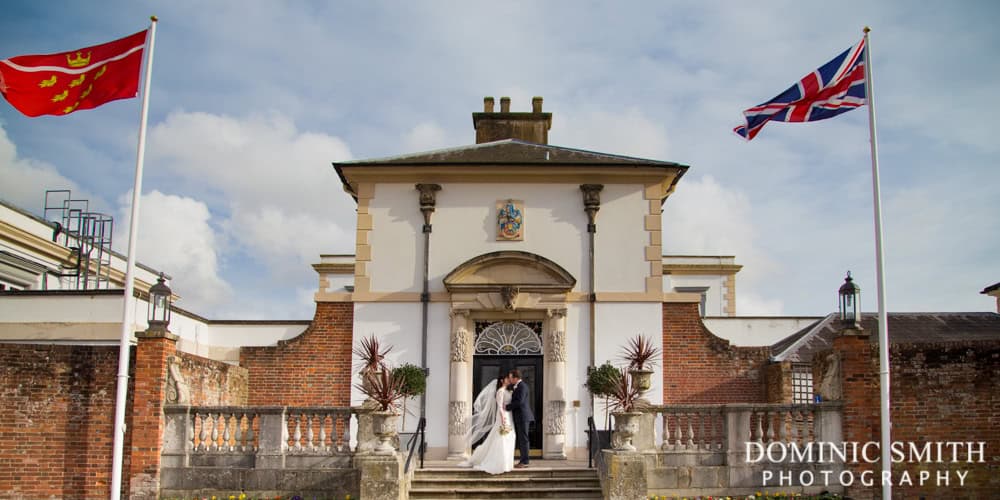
[[371, 357], [623, 400], [641, 356], [386, 390]]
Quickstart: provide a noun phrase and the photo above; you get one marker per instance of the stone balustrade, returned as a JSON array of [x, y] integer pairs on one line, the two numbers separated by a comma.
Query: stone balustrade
[[268, 437], [701, 450]]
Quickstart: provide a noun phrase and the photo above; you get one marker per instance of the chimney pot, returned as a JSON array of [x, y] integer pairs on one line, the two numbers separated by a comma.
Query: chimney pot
[[505, 104], [536, 104], [488, 104]]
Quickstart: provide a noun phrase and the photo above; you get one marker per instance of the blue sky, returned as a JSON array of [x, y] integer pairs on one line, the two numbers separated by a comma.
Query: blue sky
[[252, 100]]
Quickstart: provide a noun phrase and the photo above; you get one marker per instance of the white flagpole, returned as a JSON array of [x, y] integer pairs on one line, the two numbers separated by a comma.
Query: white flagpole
[[128, 304], [883, 320]]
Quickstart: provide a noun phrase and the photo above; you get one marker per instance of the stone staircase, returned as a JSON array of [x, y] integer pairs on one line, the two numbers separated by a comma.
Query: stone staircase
[[532, 482]]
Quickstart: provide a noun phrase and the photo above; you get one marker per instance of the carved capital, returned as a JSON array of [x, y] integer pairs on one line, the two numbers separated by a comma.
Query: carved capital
[[555, 417], [459, 313], [457, 421], [556, 312]]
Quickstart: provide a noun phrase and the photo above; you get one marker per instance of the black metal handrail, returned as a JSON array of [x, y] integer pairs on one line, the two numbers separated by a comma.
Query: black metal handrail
[[413, 444], [596, 441]]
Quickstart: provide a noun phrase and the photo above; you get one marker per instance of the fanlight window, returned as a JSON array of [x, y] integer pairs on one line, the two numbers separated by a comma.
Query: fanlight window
[[509, 338]]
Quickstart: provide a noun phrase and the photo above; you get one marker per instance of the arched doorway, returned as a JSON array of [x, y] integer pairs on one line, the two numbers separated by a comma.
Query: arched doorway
[[501, 346], [508, 310]]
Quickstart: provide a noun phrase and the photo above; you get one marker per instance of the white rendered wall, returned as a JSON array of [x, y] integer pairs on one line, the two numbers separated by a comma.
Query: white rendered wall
[[621, 239], [616, 324], [338, 282], [396, 239], [465, 226], [438, 383], [756, 331], [393, 323], [577, 361], [715, 296]]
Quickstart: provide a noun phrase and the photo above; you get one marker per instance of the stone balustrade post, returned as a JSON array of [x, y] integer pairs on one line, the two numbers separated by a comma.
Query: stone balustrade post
[[554, 428], [828, 426], [382, 477], [273, 438], [626, 475], [737, 434], [459, 391], [178, 430]]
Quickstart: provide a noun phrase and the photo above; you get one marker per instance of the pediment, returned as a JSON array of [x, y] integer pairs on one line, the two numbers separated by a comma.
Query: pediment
[[523, 271]]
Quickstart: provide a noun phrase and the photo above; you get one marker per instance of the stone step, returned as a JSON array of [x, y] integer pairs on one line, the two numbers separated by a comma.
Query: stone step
[[505, 493], [510, 483], [530, 472], [532, 482]]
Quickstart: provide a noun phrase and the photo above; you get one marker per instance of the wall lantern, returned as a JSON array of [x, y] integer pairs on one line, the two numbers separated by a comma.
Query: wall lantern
[[850, 295], [159, 305]]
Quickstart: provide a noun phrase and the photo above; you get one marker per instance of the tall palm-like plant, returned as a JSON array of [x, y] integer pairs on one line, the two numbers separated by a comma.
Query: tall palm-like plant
[[384, 388], [640, 352], [371, 354], [624, 394]]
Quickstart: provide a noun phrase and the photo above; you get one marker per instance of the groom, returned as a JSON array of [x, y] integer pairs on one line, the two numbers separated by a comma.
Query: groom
[[520, 410]]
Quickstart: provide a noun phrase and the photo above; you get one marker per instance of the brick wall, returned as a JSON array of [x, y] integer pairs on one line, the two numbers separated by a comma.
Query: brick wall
[[152, 354], [311, 369], [939, 392], [211, 382], [778, 382], [699, 367], [56, 418]]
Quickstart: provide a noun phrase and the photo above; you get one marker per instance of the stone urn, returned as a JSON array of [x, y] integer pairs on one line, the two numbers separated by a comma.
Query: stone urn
[[642, 379], [626, 426], [384, 427]]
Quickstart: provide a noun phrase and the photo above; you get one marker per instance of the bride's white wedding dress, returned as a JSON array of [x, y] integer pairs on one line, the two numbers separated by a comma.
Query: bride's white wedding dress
[[496, 453]]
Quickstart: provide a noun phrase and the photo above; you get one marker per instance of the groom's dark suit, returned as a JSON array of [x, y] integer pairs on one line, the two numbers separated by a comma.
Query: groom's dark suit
[[520, 410]]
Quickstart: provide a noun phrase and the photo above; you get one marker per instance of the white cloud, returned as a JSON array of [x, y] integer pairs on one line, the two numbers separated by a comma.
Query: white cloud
[[705, 218], [23, 181], [176, 237], [629, 132], [425, 136], [270, 187]]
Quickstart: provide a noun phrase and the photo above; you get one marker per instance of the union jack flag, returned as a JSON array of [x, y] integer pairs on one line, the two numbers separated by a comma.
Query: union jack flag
[[836, 87]]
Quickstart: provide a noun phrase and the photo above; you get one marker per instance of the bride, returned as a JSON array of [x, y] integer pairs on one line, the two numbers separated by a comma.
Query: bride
[[495, 455]]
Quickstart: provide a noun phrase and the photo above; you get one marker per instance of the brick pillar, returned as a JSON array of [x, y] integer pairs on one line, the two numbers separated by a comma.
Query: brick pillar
[[150, 377], [859, 369]]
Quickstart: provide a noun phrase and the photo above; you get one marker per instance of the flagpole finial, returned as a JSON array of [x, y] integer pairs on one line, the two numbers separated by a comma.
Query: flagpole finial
[[153, 18], [866, 30]]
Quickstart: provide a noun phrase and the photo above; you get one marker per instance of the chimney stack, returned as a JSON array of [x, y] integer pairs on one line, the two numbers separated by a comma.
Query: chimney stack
[[529, 127]]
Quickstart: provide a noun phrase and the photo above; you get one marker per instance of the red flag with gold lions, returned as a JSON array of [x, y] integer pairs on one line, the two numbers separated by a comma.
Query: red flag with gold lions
[[59, 84]]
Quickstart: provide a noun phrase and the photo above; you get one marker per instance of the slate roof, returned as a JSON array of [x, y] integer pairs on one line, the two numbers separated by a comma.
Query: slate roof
[[904, 328], [510, 151]]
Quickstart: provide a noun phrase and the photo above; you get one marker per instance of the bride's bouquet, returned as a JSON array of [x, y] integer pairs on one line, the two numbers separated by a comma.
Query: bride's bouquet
[[505, 429]]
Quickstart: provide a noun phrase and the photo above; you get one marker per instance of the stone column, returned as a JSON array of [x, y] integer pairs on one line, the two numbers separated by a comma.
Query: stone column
[[459, 391], [554, 446]]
